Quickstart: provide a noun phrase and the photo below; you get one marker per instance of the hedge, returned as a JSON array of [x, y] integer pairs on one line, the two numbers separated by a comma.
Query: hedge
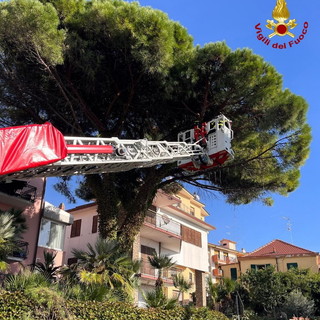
[[14, 306]]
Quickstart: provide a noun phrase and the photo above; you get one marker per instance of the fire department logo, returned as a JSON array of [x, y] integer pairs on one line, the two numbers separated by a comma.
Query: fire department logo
[[281, 13], [281, 26]]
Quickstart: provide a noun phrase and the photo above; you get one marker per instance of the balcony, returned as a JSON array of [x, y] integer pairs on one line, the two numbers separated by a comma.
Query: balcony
[[223, 259], [163, 222], [185, 208], [217, 273], [19, 189], [20, 253], [162, 228], [149, 274]]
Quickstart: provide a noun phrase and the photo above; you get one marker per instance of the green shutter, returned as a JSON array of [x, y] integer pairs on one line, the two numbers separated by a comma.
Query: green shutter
[[253, 267], [233, 272], [292, 265]]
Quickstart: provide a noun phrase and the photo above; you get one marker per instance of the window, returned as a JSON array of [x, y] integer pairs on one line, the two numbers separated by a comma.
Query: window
[[76, 228], [233, 272], [94, 224], [190, 276], [192, 211], [260, 266], [175, 271], [145, 267], [175, 294], [72, 261], [148, 250], [51, 234], [292, 265], [191, 236]]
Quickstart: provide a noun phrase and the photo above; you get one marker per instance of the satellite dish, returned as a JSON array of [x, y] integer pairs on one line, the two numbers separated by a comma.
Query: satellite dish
[[165, 219]]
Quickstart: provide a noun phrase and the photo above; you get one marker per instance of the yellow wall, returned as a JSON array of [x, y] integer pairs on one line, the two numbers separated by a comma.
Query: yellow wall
[[227, 270], [280, 264], [169, 291], [188, 201]]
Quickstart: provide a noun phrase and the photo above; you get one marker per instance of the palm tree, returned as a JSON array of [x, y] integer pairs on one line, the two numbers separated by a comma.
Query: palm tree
[[105, 264], [160, 262], [12, 225], [181, 284], [213, 292], [157, 299]]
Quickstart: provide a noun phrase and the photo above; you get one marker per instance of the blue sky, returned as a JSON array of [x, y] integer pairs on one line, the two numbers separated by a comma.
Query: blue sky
[[234, 21]]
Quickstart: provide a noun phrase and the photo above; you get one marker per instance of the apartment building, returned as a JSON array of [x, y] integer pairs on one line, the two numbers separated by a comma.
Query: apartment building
[[277, 253], [222, 254], [174, 226], [46, 223]]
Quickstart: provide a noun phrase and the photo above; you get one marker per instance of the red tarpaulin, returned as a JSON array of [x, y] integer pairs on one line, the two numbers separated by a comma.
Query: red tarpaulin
[[30, 146]]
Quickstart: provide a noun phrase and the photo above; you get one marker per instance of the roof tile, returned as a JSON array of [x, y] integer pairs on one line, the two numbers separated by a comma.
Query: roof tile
[[276, 248]]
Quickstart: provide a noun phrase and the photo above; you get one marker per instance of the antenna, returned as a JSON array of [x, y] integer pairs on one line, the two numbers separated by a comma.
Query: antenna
[[289, 227]]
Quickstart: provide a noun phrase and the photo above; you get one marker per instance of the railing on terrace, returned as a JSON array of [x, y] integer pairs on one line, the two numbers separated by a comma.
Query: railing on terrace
[[217, 272], [20, 189], [147, 269], [225, 259], [163, 222], [184, 208]]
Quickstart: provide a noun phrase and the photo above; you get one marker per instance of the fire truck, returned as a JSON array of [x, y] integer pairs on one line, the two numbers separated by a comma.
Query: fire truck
[[42, 151]]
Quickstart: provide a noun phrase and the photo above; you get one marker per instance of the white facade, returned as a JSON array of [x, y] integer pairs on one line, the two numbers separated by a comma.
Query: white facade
[[167, 230], [189, 255]]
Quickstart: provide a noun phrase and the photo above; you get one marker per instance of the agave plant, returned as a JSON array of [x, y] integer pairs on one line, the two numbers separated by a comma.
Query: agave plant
[[47, 267]]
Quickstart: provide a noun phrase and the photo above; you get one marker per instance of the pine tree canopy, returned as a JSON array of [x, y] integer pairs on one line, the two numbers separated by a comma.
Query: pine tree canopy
[[113, 68]]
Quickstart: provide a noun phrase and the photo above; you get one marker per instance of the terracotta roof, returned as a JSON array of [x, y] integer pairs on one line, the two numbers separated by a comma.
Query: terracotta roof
[[84, 206], [278, 248]]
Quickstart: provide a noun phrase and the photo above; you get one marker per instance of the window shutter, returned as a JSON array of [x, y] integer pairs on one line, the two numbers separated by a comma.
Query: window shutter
[[95, 224], [76, 228], [233, 272], [191, 236]]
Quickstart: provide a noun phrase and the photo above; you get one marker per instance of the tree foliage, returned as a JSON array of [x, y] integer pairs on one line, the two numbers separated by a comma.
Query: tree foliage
[[161, 263], [267, 292], [113, 68]]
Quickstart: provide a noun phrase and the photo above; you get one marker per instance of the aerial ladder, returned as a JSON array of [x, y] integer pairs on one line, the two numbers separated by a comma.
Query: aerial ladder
[[42, 151]]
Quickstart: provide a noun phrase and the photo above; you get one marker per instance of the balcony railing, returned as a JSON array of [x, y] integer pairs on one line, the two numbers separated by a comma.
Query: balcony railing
[[163, 222], [217, 272], [147, 269], [223, 259], [20, 252], [184, 208], [20, 189]]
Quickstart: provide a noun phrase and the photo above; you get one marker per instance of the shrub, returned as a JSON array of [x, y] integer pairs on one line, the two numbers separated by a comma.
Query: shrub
[[43, 304], [13, 305], [117, 310], [205, 314], [298, 305]]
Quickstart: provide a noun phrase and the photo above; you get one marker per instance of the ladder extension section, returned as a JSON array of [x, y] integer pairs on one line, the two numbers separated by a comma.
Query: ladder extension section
[[100, 155]]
